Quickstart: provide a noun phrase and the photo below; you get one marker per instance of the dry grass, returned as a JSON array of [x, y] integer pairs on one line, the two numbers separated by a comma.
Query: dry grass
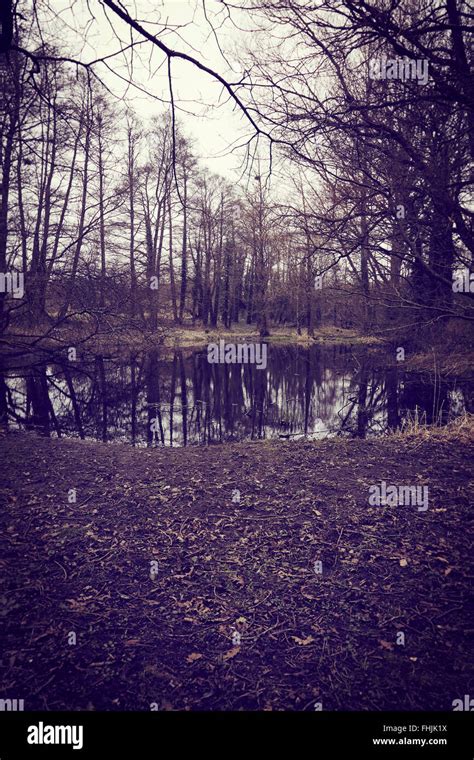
[[194, 337], [447, 361], [461, 429]]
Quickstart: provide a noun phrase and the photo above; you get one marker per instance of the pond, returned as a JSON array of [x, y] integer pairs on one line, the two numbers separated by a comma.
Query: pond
[[180, 399]]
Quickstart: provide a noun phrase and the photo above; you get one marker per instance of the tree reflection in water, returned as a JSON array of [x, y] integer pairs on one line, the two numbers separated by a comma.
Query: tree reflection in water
[[149, 399]]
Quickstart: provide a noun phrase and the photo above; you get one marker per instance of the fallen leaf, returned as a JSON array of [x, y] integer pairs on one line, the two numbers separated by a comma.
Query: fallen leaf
[[303, 642], [231, 653], [193, 657]]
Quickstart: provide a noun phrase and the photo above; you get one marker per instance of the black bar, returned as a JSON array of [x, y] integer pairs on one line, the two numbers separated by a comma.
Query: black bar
[[316, 734], [6, 28]]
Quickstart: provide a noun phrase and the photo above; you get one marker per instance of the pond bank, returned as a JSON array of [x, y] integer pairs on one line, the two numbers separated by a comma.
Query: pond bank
[[121, 340], [449, 358], [228, 563]]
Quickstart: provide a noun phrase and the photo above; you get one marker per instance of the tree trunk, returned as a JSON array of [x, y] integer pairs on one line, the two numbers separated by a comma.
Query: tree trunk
[[172, 282]]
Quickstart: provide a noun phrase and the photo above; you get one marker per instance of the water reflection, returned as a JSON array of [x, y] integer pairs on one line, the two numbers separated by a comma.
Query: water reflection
[[149, 399]]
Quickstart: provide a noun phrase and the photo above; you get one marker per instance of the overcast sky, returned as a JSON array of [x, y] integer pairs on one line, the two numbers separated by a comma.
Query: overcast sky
[[88, 30]]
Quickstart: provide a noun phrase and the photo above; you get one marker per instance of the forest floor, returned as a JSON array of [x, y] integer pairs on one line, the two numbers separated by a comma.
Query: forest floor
[[329, 334], [166, 640]]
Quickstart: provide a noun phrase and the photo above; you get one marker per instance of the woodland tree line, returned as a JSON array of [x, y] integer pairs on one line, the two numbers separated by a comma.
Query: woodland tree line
[[112, 216]]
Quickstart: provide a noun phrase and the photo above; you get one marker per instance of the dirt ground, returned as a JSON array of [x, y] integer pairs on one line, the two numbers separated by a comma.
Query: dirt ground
[[234, 567]]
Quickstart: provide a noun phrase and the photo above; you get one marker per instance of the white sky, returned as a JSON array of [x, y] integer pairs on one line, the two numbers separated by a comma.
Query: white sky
[[209, 117]]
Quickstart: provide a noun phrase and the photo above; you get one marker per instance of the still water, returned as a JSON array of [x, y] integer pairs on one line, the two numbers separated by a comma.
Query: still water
[[154, 399]]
